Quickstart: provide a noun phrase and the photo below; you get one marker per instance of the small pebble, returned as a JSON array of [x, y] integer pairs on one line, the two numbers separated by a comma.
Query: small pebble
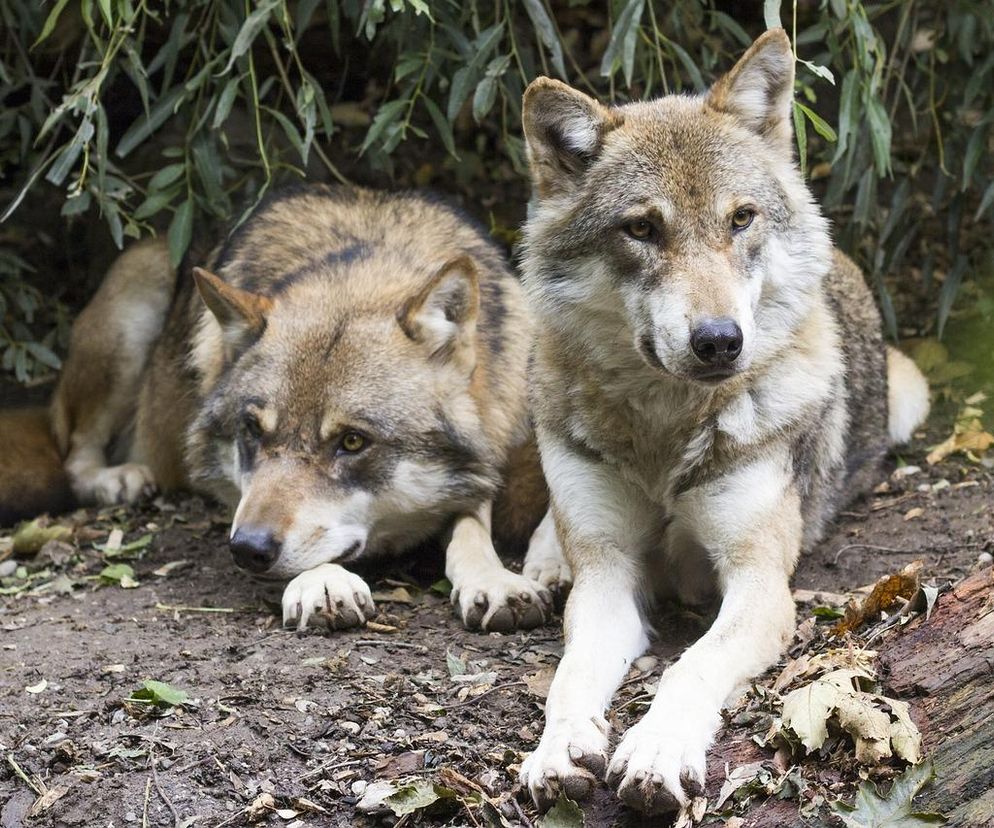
[[646, 663], [8, 568], [985, 559]]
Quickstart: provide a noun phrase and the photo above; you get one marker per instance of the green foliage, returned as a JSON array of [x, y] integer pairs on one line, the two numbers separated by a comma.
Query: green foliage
[[161, 115], [31, 329]]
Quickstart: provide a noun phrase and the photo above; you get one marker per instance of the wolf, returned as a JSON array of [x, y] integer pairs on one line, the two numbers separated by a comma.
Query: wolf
[[709, 385], [348, 373]]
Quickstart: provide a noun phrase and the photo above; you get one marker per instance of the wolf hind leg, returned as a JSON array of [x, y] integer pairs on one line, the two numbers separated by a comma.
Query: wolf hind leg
[[545, 562], [95, 401], [907, 397]]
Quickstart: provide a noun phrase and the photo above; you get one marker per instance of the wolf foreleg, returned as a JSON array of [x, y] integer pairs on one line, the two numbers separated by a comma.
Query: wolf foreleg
[[750, 523], [487, 595], [598, 516]]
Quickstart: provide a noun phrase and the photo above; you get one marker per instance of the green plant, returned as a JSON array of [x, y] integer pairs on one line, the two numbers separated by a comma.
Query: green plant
[[31, 329], [161, 115]]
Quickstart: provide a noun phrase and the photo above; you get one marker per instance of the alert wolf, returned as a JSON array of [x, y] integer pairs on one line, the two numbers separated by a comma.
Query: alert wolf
[[709, 385], [351, 379]]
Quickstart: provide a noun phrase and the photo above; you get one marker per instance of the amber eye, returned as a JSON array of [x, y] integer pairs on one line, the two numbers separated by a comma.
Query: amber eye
[[353, 442], [640, 230], [742, 218]]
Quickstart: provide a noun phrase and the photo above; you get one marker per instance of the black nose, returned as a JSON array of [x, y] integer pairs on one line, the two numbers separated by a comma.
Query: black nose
[[717, 341], [254, 548]]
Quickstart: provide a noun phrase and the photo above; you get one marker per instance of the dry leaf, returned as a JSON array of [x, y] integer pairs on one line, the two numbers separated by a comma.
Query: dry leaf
[[885, 594], [538, 683], [879, 726]]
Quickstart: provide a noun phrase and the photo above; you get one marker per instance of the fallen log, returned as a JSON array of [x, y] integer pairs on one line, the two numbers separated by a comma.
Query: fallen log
[[943, 667]]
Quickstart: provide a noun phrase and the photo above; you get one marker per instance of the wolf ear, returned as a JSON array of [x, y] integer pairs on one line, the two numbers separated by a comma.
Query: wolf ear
[[241, 314], [564, 130], [759, 90], [442, 315]]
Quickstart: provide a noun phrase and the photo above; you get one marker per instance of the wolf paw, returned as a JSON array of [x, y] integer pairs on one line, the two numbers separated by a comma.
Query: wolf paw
[[657, 769], [568, 760], [114, 484], [552, 573], [497, 600], [330, 594]]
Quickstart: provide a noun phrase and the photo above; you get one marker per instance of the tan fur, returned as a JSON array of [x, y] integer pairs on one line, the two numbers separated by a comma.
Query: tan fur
[[675, 468], [331, 315], [32, 479]]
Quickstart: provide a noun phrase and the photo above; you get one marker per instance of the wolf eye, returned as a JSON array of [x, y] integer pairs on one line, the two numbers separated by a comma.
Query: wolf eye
[[352, 442], [640, 230], [742, 218]]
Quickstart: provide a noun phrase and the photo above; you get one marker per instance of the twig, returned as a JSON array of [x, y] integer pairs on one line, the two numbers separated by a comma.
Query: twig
[[184, 608], [17, 769], [148, 793], [387, 642], [331, 766], [872, 546], [162, 793], [485, 693], [521, 814]]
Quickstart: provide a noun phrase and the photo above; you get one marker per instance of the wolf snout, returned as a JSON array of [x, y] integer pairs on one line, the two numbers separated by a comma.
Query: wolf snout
[[717, 342], [255, 548]]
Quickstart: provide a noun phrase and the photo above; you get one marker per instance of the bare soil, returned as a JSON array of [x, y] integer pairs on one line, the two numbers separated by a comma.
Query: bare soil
[[310, 718]]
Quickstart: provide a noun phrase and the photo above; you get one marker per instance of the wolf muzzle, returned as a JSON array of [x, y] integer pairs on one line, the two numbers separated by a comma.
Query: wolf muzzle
[[255, 548]]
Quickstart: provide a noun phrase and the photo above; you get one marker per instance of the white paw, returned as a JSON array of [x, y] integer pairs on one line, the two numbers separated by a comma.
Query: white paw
[[569, 760], [552, 573], [660, 766], [497, 600], [329, 593], [114, 484]]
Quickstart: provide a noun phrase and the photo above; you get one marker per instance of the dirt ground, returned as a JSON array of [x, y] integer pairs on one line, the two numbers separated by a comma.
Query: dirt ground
[[312, 719]]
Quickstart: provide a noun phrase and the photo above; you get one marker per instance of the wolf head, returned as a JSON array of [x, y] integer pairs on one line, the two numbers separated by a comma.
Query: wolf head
[[342, 421], [681, 225]]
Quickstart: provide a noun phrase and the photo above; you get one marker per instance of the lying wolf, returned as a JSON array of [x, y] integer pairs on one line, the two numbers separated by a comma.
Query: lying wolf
[[709, 386], [352, 384]]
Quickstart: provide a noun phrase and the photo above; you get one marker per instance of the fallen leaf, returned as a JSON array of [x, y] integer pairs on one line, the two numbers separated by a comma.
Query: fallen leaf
[[885, 594], [403, 764], [261, 807], [969, 436], [872, 809], [735, 779], [168, 568], [120, 573], [114, 549], [879, 726], [397, 595], [539, 682], [374, 626], [416, 795], [442, 587], [31, 536], [456, 665], [911, 514], [158, 693], [564, 814], [47, 800]]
